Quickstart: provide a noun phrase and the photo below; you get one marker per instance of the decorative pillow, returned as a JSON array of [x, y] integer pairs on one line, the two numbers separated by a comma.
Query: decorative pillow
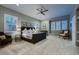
[[25, 30], [2, 37], [33, 31], [65, 32], [29, 33]]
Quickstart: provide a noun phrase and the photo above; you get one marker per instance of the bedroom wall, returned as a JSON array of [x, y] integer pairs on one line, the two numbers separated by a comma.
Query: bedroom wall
[[46, 23], [74, 25], [20, 16], [1, 20]]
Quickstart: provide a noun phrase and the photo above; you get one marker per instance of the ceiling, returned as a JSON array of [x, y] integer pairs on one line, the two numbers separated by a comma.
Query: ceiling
[[54, 10]]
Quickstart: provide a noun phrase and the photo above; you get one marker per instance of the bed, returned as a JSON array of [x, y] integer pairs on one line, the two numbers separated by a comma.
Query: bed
[[31, 35]]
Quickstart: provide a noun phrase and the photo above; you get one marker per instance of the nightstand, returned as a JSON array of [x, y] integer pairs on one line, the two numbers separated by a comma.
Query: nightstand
[[17, 37]]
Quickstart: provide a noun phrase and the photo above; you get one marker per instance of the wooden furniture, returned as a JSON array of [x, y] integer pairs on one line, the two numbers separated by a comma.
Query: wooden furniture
[[61, 32], [44, 31], [64, 34], [17, 38], [35, 37], [5, 41]]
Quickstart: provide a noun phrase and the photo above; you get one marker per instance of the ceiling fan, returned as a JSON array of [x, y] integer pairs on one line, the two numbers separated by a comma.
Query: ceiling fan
[[42, 10]]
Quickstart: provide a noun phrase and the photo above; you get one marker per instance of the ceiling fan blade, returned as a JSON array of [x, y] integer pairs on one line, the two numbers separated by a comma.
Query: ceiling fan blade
[[38, 9], [44, 10], [42, 13], [38, 13]]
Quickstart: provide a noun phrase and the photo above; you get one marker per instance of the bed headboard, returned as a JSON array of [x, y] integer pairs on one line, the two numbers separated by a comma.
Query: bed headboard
[[22, 28]]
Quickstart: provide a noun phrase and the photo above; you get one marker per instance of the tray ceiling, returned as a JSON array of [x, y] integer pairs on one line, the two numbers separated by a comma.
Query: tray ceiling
[[54, 10]]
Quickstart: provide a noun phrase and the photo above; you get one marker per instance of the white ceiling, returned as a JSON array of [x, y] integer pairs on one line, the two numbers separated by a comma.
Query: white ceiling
[[54, 10]]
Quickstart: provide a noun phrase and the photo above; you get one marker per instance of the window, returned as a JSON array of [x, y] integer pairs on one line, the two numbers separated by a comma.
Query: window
[[9, 23], [52, 25], [58, 25], [64, 25]]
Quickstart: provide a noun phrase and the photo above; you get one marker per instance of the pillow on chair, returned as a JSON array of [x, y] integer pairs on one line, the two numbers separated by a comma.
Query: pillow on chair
[[65, 32], [2, 37]]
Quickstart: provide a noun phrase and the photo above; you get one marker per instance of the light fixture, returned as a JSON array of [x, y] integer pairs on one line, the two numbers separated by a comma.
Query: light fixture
[[17, 4]]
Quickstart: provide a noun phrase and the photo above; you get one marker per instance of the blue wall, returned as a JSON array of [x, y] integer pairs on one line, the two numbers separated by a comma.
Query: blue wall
[[70, 24]]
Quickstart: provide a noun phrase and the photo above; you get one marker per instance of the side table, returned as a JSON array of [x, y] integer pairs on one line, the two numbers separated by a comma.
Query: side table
[[17, 38]]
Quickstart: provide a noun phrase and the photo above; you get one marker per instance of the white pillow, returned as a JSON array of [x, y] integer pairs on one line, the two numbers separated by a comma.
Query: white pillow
[[29, 33], [2, 37], [25, 30], [34, 31], [65, 32]]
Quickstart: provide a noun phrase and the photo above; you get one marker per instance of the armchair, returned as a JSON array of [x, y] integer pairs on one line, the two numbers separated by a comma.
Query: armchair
[[65, 34], [5, 40]]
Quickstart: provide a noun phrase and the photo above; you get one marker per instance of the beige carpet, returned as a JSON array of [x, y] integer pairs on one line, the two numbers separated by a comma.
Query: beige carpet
[[51, 46]]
